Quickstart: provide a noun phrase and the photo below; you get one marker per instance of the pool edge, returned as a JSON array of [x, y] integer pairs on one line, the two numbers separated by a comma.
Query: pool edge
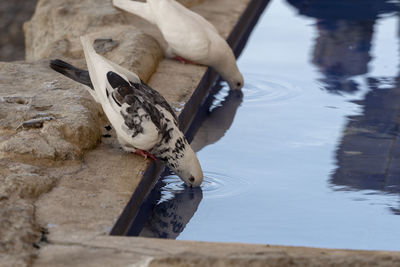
[[237, 40]]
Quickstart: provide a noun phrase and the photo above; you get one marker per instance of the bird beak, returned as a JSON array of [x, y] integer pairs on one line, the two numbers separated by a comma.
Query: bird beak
[[191, 181]]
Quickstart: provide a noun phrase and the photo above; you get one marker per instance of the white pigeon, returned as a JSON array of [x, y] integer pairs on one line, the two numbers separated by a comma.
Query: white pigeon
[[189, 36], [143, 120]]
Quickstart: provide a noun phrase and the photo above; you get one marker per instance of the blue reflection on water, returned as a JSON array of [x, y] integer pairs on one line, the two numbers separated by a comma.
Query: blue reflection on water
[[310, 154]]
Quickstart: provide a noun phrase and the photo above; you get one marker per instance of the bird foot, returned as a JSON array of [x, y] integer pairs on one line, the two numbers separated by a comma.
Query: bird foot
[[145, 154], [184, 61]]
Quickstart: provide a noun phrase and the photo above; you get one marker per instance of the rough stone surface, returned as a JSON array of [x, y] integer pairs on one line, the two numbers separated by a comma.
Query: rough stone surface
[[125, 251], [12, 15], [18, 232], [32, 91], [90, 196], [23, 181], [56, 26]]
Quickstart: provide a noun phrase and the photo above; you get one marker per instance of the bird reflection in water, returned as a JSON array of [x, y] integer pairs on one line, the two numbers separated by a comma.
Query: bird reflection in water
[[368, 156], [175, 204], [171, 215], [218, 118]]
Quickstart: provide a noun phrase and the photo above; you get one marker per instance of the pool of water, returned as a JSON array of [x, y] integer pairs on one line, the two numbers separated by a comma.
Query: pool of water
[[308, 154]]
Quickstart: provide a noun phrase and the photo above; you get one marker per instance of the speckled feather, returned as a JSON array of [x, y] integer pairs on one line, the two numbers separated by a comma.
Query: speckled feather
[[136, 97], [140, 104], [141, 117]]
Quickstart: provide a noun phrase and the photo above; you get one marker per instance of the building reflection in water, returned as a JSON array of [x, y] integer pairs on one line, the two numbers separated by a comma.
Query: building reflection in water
[[368, 156], [175, 204], [344, 34]]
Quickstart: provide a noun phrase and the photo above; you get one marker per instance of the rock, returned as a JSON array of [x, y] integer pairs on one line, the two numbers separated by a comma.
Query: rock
[[12, 15], [57, 24], [123, 251], [187, 3], [104, 45], [89, 196], [20, 185], [23, 181], [190, 3], [55, 29], [63, 123], [66, 119], [131, 48], [18, 233]]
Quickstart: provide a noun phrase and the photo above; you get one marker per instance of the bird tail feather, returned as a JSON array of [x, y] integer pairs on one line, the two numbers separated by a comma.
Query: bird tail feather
[[142, 10], [98, 67], [74, 73], [93, 60]]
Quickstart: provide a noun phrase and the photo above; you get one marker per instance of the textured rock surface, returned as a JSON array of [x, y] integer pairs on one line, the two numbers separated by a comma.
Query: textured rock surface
[[30, 91], [12, 15], [56, 26], [70, 121], [90, 196], [18, 233], [125, 251]]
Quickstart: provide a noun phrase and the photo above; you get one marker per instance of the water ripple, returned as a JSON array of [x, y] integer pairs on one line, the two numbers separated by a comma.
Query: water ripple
[[215, 185], [260, 90]]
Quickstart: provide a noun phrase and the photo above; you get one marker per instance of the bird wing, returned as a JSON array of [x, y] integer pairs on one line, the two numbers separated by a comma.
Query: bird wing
[[201, 20], [132, 77], [140, 9], [184, 34], [130, 120], [139, 128], [159, 100], [145, 118]]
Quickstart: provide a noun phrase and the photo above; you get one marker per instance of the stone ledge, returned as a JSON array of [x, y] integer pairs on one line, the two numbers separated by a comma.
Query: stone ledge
[[127, 251]]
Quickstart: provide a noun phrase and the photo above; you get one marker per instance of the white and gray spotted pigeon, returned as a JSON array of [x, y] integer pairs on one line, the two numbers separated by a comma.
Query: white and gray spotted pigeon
[[144, 121], [189, 36]]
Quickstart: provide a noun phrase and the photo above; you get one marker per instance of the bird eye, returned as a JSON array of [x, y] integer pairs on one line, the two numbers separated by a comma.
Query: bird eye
[[239, 84], [191, 179]]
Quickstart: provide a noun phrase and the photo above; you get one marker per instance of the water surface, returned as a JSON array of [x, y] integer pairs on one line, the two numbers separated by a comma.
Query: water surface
[[308, 154]]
